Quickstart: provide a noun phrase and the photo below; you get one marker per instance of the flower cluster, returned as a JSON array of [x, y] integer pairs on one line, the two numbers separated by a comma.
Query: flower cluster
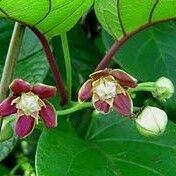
[[29, 102], [107, 88]]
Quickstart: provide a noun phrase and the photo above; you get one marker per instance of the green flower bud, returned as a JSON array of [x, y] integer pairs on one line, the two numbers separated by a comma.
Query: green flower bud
[[164, 89], [152, 121]]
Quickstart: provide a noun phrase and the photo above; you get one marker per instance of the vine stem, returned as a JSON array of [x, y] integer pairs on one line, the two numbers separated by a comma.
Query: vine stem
[[53, 65], [107, 58], [77, 107], [68, 66], [10, 62], [119, 43]]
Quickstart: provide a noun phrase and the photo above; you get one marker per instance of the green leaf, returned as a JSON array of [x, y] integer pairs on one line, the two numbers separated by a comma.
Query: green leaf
[[120, 18], [7, 146], [6, 132], [149, 55], [83, 52], [32, 64], [6, 28], [51, 17], [3, 170], [113, 148]]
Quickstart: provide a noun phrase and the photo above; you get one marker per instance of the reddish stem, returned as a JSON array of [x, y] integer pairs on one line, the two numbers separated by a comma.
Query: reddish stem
[[107, 58], [117, 45], [53, 65]]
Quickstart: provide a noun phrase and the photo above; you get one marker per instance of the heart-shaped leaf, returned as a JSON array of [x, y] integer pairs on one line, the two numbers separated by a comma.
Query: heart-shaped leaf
[[51, 17]]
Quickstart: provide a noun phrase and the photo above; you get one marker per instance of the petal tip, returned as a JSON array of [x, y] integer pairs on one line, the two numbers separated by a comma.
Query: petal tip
[[7, 108], [18, 86], [125, 80], [44, 91]]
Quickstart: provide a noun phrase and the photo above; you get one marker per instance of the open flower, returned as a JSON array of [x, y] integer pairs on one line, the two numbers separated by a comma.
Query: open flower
[[29, 102], [107, 88]]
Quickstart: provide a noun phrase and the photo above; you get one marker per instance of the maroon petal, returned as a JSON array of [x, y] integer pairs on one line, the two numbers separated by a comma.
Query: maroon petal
[[48, 115], [100, 73], [44, 91], [123, 104], [85, 91], [6, 107], [102, 106], [19, 86], [24, 126], [124, 79]]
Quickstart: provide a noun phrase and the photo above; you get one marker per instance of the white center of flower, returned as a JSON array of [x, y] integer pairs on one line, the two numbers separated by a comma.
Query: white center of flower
[[29, 103], [106, 89]]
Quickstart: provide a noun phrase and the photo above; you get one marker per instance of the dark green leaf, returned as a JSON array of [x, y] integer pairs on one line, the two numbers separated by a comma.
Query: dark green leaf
[[85, 55], [7, 146], [6, 28], [150, 54], [32, 64], [114, 148]]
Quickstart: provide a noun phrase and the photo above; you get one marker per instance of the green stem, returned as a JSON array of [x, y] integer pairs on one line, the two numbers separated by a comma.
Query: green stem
[[12, 172], [77, 107], [11, 58], [146, 84], [67, 64], [146, 87]]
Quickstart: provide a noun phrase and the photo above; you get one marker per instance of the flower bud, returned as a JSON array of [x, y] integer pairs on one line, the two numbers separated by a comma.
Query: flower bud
[[152, 121], [164, 89]]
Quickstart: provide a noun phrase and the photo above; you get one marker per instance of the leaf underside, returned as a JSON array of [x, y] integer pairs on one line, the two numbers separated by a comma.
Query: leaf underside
[[51, 17]]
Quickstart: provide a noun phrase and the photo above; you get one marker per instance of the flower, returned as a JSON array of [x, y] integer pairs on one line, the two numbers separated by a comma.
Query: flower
[[29, 102], [152, 121], [107, 88], [164, 89]]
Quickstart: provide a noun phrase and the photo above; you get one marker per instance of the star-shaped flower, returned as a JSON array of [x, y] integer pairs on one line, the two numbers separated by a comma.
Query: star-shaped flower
[[29, 102], [107, 88]]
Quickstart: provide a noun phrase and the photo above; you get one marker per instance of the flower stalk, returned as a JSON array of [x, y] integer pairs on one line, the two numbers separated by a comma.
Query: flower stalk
[[53, 65], [76, 107], [162, 89], [68, 66], [146, 87], [11, 58]]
